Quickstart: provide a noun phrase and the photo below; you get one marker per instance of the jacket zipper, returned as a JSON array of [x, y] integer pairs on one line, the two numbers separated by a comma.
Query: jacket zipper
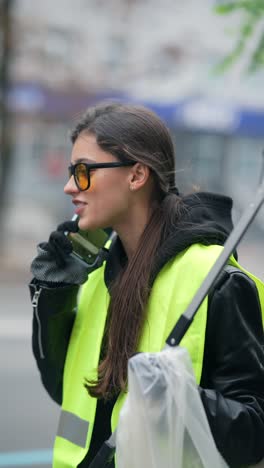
[[35, 300]]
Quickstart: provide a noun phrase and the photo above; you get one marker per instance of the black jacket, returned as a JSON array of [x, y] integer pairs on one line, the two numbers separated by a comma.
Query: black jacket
[[232, 383]]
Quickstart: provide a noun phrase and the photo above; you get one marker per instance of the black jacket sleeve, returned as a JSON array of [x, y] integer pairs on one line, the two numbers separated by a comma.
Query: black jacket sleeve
[[232, 384], [53, 318]]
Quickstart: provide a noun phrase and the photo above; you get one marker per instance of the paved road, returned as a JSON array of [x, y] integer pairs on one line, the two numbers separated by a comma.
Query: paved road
[[28, 415]]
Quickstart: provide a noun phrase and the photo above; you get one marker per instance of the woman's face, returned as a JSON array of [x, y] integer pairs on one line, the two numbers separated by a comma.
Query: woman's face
[[106, 203]]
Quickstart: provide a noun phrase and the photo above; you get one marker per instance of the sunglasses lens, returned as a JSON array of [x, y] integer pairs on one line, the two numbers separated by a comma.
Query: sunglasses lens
[[82, 176]]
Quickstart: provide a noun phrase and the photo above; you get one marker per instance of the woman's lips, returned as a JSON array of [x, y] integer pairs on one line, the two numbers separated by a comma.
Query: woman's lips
[[79, 206]]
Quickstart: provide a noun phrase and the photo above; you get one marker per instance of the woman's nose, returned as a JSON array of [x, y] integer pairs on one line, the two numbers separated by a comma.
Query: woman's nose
[[70, 186]]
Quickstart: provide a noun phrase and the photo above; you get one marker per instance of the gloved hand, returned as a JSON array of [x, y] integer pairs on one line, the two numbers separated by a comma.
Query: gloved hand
[[54, 264], [59, 246]]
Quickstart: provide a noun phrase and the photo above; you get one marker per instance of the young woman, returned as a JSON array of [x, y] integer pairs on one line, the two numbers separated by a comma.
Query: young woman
[[122, 176]]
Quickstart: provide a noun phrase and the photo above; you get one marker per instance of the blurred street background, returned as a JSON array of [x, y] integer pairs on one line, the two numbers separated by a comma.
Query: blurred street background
[[198, 64]]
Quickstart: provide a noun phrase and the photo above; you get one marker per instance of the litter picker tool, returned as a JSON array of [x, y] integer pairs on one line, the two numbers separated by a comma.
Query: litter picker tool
[[107, 450]]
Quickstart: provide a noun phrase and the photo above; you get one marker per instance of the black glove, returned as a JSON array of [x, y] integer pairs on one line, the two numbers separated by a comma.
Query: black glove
[[54, 264], [59, 246]]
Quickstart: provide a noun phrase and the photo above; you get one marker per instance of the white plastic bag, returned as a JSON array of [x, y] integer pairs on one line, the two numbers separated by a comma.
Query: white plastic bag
[[162, 423]]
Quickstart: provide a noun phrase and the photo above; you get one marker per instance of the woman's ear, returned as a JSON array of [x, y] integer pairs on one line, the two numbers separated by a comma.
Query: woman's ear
[[139, 176]]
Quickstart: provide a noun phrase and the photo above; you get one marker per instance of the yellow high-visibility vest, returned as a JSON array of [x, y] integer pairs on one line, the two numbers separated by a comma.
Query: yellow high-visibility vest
[[172, 291]]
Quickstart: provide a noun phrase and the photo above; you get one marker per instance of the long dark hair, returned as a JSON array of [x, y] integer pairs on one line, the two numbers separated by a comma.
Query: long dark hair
[[134, 133]]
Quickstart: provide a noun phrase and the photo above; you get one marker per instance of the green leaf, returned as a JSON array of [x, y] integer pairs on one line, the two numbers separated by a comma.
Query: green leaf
[[226, 8], [253, 13], [252, 7], [230, 59], [248, 28], [257, 60]]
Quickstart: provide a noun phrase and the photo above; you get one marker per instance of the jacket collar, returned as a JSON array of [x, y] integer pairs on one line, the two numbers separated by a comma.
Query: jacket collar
[[207, 221]]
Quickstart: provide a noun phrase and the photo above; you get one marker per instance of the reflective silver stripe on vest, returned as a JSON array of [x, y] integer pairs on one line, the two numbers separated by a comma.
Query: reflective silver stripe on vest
[[73, 428]]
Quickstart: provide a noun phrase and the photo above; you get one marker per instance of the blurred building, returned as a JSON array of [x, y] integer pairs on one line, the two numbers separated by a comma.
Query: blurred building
[[67, 55], [150, 48]]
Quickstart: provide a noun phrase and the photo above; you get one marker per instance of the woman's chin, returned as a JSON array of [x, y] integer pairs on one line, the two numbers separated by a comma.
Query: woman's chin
[[87, 225]]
